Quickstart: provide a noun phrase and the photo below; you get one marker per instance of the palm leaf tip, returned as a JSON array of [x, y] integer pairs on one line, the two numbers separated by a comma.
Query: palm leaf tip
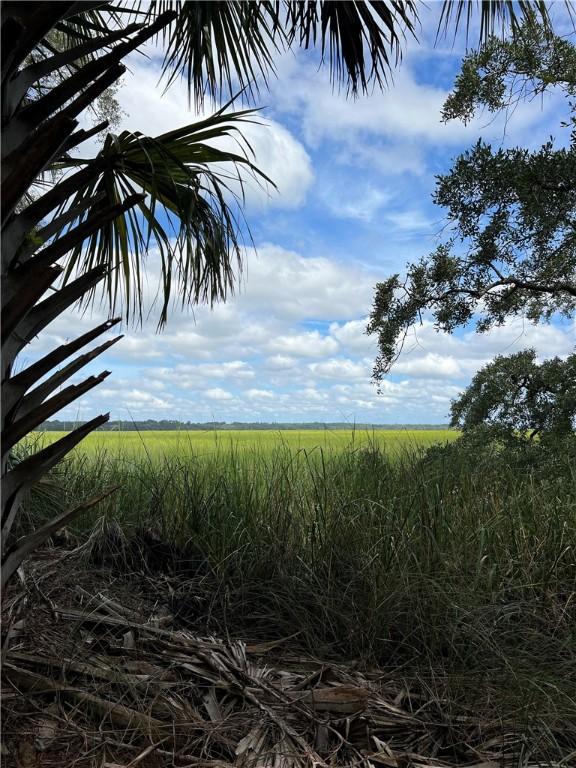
[[220, 47], [495, 15], [190, 214], [361, 40]]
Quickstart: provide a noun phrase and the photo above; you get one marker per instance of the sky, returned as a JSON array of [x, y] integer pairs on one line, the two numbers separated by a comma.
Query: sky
[[353, 205]]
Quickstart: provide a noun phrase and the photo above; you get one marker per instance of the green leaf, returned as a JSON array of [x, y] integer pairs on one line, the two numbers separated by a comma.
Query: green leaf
[[190, 216]]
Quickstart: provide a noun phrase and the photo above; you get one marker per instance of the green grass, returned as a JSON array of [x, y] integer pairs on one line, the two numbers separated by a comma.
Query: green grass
[[165, 443], [451, 566]]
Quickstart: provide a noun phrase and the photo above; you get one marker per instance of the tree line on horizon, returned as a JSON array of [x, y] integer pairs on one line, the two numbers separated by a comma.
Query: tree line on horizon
[[167, 425]]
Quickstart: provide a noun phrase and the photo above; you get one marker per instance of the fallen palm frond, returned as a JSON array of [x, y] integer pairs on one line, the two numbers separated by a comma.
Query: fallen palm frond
[[98, 674]]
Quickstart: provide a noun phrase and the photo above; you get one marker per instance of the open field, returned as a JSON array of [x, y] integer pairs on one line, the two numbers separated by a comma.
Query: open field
[[175, 443]]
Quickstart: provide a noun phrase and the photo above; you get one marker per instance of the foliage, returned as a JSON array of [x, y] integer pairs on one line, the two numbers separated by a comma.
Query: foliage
[[187, 216], [105, 107], [505, 71], [517, 398], [159, 444], [58, 59], [218, 426], [215, 46], [220, 49], [512, 249], [424, 562]]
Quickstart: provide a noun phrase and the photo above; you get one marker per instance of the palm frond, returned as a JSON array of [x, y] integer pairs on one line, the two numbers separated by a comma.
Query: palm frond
[[496, 16], [346, 31], [219, 46], [189, 214], [231, 45], [84, 23]]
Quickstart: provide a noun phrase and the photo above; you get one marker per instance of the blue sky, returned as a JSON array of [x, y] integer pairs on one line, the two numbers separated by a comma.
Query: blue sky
[[353, 205]]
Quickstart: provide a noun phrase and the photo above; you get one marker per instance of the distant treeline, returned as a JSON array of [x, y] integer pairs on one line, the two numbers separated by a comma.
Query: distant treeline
[[151, 424]]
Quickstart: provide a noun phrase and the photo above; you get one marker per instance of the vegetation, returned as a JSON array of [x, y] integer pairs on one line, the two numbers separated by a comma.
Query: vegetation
[[93, 228], [515, 398], [157, 445], [511, 250], [443, 560], [172, 424], [171, 193], [424, 563]]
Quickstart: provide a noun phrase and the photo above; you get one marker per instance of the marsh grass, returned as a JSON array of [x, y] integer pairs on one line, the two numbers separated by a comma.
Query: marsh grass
[[459, 569], [160, 443]]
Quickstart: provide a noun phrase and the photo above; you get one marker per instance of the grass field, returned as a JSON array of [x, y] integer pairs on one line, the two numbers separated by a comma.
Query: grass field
[[158, 444], [456, 565]]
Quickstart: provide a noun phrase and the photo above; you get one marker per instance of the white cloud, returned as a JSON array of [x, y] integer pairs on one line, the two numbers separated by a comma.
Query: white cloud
[[256, 357], [187, 376], [412, 221], [259, 394], [291, 344], [312, 394], [358, 202], [341, 370], [431, 355], [276, 152], [132, 346], [299, 287], [280, 362], [217, 393], [430, 365], [390, 158], [118, 397], [408, 111], [310, 344], [352, 336]]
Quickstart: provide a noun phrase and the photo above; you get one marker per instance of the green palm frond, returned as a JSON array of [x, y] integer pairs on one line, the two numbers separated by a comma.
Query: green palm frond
[[188, 214], [494, 15], [220, 46], [346, 31], [232, 44], [223, 47]]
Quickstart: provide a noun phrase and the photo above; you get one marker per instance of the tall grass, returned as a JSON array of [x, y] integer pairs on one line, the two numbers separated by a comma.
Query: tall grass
[[456, 565]]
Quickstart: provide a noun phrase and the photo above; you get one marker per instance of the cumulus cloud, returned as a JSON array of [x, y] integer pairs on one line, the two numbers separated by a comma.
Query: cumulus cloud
[[310, 344], [259, 394], [187, 376], [430, 365], [291, 343], [279, 362], [217, 393], [352, 336], [300, 287], [255, 358], [358, 202], [408, 111], [340, 370]]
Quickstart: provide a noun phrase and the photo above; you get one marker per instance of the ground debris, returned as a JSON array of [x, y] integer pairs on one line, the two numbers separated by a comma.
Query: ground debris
[[98, 673]]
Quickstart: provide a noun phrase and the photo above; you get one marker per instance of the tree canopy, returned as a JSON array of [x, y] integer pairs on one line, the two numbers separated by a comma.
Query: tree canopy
[[511, 248], [517, 398]]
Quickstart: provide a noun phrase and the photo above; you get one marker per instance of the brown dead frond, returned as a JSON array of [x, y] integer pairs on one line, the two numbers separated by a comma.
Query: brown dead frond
[[99, 674]]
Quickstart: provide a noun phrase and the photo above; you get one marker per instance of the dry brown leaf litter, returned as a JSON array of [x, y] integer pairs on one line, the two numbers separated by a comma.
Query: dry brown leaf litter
[[98, 674]]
